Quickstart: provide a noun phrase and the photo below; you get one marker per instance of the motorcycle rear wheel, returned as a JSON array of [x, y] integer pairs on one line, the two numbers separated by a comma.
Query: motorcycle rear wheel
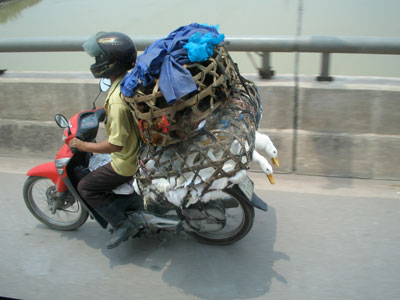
[[243, 214], [38, 192]]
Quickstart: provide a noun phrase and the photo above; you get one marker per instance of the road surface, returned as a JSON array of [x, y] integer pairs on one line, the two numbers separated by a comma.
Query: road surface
[[322, 238]]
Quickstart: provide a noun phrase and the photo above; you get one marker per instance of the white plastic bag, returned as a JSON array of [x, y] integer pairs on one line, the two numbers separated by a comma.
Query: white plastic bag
[[98, 160]]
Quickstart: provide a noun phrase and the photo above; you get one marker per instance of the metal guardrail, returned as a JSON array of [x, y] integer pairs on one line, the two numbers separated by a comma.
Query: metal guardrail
[[325, 45]]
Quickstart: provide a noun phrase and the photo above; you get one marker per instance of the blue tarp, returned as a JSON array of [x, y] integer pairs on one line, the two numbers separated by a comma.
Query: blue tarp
[[165, 57]]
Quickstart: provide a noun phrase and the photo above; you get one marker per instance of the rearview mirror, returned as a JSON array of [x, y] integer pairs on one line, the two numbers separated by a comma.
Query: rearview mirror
[[61, 121], [105, 84]]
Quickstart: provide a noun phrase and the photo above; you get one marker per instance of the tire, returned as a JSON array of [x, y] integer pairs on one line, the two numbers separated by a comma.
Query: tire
[[245, 226], [36, 190]]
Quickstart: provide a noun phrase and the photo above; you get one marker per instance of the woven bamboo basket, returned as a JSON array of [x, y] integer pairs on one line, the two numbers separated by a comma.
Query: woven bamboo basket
[[199, 165], [161, 124], [209, 137]]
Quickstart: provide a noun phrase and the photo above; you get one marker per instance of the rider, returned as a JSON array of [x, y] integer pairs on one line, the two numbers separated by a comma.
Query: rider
[[115, 54]]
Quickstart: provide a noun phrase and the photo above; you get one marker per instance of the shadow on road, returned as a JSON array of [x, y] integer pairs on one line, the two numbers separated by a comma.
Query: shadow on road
[[240, 271]]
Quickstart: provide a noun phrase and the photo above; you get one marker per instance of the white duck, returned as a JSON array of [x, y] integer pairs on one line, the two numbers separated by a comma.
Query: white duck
[[264, 143], [264, 165]]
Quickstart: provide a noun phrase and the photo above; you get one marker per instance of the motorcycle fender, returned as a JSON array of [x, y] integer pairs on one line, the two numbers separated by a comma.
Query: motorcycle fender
[[48, 170], [246, 186], [258, 202]]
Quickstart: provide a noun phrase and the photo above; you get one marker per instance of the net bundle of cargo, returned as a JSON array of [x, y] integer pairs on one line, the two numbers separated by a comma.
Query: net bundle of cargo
[[200, 140]]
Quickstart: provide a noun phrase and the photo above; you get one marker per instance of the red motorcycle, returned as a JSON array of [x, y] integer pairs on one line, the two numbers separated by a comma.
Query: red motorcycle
[[50, 193]]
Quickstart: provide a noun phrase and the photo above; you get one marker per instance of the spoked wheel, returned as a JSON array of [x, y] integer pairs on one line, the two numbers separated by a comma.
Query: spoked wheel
[[61, 212], [239, 220]]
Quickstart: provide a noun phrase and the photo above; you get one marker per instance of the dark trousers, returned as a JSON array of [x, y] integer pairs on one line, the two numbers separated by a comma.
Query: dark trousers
[[94, 186]]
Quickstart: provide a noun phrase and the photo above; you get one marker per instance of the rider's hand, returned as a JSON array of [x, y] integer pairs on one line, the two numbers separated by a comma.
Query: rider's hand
[[75, 143]]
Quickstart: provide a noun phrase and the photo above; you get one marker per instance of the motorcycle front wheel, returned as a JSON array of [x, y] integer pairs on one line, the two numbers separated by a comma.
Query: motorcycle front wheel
[[61, 213], [239, 221]]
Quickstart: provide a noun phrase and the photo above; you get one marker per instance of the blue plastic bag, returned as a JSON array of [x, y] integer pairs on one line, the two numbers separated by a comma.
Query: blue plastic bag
[[200, 46], [165, 58]]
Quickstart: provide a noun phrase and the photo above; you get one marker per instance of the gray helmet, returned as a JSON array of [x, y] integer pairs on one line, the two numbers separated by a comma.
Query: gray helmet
[[115, 53]]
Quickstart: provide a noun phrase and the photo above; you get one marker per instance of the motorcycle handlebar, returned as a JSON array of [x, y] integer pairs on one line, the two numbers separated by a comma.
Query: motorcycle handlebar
[[73, 149]]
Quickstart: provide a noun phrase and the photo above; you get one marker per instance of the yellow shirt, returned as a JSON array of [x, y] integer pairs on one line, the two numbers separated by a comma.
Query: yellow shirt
[[121, 131]]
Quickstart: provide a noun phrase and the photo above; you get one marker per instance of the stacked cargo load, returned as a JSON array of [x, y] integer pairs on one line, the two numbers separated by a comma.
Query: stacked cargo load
[[196, 115]]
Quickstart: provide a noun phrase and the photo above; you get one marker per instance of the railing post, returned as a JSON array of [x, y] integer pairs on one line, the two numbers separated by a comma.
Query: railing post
[[266, 71], [324, 76]]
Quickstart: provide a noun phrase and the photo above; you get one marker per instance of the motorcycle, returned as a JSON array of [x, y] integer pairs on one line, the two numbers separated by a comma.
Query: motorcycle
[[51, 195]]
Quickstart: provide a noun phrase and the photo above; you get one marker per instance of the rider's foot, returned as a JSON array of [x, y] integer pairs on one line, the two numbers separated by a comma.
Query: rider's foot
[[121, 233]]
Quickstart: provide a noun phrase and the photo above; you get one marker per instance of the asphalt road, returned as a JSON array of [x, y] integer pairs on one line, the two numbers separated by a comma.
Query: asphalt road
[[322, 238]]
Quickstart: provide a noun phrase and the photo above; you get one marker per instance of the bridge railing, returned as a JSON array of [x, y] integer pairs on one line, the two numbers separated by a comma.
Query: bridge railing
[[326, 45]]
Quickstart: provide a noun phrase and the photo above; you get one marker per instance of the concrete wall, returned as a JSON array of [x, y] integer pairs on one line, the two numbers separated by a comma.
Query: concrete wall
[[349, 127]]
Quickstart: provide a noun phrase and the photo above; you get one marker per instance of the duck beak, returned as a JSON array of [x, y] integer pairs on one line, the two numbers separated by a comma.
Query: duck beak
[[275, 161], [271, 179]]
